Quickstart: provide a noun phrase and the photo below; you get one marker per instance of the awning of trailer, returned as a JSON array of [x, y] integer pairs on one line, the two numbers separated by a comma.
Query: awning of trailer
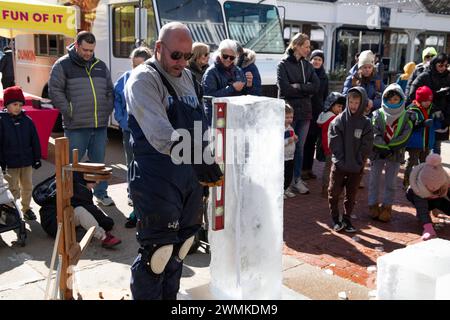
[[32, 16]]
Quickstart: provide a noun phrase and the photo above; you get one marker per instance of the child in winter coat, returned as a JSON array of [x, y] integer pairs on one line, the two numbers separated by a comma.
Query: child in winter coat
[[290, 138], [426, 121], [20, 149], [351, 142], [392, 128], [429, 190], [334, 104]]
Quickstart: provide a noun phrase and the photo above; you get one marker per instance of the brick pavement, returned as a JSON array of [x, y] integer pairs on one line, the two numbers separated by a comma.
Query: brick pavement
[[307, 233]]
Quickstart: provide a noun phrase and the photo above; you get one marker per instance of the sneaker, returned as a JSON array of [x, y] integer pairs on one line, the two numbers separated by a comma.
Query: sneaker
[[106, 201], [338, 226], [110, 241], [348, 227], [29, 215], [131, 221], [288, 193], [300, 187]]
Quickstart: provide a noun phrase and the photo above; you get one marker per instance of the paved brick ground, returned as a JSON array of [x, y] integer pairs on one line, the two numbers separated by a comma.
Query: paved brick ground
[[307, 233]]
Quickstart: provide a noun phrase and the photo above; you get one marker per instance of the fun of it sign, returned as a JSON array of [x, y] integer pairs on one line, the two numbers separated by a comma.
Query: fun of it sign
[[37, 18]]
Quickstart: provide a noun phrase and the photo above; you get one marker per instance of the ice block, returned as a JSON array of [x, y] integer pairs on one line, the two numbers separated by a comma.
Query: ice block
[[418, 271], [246, 255]]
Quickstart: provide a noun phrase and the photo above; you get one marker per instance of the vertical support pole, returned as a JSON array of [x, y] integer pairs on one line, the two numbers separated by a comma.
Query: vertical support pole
[[61, 160]]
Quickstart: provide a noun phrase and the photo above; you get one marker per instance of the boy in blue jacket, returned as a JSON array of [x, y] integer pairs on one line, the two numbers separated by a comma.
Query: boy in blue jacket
[[20, 150]]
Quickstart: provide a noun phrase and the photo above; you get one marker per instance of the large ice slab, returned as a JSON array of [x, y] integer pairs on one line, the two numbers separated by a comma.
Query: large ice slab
[[246, 257], [419, 271]]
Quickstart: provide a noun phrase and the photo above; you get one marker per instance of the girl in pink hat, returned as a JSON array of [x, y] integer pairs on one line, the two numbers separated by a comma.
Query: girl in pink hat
[[429, 190]]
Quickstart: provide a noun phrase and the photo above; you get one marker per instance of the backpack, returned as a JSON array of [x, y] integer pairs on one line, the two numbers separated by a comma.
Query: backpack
[[45, 191]]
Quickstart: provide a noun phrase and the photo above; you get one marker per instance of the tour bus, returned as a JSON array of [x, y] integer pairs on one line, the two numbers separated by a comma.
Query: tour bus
[[120, 25]]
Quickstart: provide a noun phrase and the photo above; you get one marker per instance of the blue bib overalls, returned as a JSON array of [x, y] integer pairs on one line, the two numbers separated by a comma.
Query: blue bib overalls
[[167, 200]]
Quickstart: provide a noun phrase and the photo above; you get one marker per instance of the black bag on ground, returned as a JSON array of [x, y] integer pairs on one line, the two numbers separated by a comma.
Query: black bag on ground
[[44, 194]]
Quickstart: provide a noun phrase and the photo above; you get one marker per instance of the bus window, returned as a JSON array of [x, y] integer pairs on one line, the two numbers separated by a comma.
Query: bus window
[[123, 31], [203, 18], [151, 25], [255, 26]]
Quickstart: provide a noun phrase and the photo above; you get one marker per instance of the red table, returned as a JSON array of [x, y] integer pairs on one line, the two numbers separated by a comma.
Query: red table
[[43, 119]]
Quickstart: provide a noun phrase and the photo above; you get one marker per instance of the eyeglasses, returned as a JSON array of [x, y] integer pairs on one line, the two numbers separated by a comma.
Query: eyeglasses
[[206, 55], [177, 55], [226, 56], [429, 56], [442, 65]]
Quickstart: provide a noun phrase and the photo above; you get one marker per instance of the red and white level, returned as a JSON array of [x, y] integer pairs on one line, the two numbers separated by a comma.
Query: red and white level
[[218, 193]]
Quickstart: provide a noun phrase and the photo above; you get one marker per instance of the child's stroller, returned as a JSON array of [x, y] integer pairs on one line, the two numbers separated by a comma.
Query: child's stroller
[[11, 217]]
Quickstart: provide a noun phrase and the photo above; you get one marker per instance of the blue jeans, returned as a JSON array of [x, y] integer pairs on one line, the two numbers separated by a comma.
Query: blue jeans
[[301, 129], [391, 170], [128, 155], [93, 141]]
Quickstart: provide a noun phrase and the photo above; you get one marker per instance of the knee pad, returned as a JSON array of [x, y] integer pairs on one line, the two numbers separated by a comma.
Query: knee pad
[[159, 257], [184, 247]]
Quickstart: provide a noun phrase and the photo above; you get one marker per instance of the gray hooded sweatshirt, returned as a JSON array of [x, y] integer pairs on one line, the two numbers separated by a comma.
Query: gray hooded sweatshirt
[[351, 137]]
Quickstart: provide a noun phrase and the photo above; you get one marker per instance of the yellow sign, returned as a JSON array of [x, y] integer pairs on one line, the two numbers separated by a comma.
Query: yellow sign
[[28, 17]]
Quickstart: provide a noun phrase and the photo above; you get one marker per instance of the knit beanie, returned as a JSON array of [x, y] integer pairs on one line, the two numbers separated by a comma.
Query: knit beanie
[[317, 53], [424, 93], [366, 57], [430, 51], [433, 176], [13, 94]]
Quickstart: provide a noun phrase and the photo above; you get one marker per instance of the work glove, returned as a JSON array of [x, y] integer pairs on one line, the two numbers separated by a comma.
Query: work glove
[[209, 175], [37, 164], [438, 115], [385, 153]]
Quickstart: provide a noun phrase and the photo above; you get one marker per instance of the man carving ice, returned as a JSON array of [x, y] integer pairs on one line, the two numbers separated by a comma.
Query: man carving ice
[[161, 97]]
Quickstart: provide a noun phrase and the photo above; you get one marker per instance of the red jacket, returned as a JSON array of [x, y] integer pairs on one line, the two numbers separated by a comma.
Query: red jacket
[[323, 122]]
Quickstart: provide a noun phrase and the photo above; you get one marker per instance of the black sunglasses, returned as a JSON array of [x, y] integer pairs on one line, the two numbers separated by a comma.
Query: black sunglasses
[[226, 56], [177, 55], [429, 57]]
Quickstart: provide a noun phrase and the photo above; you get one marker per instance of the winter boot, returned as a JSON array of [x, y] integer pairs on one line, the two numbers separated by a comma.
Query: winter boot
[[428, 232], [374, 211], [385, 213]]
